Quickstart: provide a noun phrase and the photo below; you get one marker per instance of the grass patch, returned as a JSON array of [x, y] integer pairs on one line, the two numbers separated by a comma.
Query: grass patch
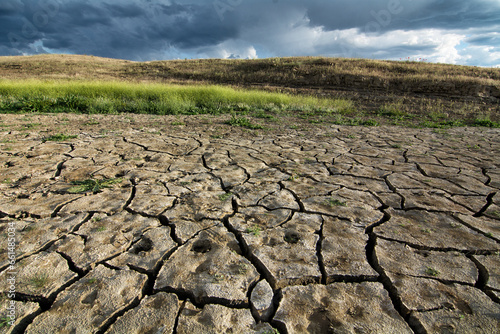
[[485, 122], [112, 97], [92, 185], [60, 137]]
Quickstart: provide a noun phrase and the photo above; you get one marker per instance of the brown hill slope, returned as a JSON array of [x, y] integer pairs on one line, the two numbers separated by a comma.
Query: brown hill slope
[[374, 85]]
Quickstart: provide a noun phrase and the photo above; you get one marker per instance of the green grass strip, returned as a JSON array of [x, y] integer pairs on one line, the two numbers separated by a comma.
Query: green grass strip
[[96, 97]]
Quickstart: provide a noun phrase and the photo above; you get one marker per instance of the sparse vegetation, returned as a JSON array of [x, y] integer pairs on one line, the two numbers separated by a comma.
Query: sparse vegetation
[[59, 137], [92, 280], [254, 230], [335, 202], [39, 280], [92, 185], [495, 213], [5, 322], [243, 122], [225, 197], [217, 278], [431, 271], [242, 269], [91, 122]]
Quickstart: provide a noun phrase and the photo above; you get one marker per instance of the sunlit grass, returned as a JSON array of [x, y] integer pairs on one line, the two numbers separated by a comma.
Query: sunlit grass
[[100, 97]]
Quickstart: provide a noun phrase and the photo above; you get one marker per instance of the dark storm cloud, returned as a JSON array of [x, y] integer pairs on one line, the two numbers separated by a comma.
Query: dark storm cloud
[[125, 29], [151, 29], [404, 14]]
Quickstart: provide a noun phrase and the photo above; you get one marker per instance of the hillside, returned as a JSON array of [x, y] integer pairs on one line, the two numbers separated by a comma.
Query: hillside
[[374, 86]]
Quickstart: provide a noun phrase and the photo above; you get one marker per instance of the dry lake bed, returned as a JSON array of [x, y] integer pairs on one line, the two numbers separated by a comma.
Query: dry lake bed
[[148, 224]]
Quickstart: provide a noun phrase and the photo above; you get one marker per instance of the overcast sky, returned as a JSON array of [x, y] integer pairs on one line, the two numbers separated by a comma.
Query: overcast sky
[[447, 31]]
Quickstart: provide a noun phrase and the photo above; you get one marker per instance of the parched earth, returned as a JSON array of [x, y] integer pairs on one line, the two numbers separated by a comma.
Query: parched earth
[[208, 228]]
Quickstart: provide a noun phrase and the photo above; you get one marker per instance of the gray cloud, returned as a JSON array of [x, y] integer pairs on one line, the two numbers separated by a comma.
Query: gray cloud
[[162, 29]]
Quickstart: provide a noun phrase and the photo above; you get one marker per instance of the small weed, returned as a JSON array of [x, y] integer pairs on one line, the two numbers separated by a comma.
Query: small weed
[[351, 136], [495, 213], [369, 122], [431, 271], [254, 230], [335, 202], [5, 322], [396, 146], [271, 331], [96, 219], [8, 141], [29, 228], [39, 281], [59, 137], [92, 122], [101, 229], [426, 230], [31, 125], [8, 149], [6, 181], [225, 197], [484, 122], [92, 185], [243, 122], [264, 115], [292, 238], [218, 278], [177, 123], [489, 235], [242, 269], [92, 281]]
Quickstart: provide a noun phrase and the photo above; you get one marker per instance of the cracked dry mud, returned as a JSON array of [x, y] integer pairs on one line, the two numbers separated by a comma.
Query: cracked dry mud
[[213, 229]]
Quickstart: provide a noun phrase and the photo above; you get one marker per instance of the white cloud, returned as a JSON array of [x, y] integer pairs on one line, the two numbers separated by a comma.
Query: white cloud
[[489, 55], [229, 49]]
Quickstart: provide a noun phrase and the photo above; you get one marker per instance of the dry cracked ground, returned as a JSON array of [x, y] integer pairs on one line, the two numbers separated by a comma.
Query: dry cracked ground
[[207, 228]]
